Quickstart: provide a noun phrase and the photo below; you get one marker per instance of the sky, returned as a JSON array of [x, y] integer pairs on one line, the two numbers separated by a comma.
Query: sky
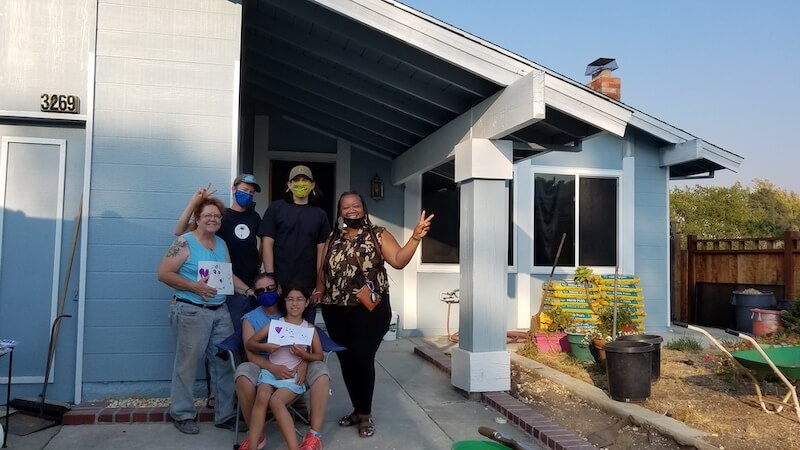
[[727, 71]]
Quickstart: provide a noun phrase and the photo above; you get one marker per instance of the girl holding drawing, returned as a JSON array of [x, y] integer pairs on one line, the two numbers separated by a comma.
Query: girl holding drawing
[[287, 341]]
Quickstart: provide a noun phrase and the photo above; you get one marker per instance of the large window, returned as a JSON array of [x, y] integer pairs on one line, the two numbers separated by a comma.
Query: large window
[[584, 210]]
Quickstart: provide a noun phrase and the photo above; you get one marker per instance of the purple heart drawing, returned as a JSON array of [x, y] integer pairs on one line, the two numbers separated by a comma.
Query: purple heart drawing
[[278, 329], [204, 273]]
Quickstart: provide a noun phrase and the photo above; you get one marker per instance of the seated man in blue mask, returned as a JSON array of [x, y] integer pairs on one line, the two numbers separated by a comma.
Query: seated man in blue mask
[[315, 375]]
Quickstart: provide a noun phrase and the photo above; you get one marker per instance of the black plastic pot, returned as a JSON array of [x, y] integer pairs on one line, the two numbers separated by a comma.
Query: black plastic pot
[[628, 366], [743, 303], [655, 359]]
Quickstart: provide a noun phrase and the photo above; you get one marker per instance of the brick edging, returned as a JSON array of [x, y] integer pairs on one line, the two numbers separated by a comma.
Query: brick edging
[[539, 427], [100, 413]]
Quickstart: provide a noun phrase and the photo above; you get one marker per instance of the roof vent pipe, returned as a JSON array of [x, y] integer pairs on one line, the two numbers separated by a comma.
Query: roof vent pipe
[[602, 81]]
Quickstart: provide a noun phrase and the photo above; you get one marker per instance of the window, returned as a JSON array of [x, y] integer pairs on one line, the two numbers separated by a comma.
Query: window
[[440, 195], [583, 209]]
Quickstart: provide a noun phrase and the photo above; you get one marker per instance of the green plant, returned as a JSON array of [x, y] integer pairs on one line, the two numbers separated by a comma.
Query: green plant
[[584, 275], [605, 323], [529, 350], [560, 320], [791, 319], [685, 344]]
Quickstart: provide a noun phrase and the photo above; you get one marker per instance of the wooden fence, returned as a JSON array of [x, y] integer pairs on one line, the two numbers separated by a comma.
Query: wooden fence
[[715, 267]]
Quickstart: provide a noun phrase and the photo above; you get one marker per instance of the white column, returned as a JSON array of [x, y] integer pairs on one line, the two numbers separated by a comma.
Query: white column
[[481, 362]]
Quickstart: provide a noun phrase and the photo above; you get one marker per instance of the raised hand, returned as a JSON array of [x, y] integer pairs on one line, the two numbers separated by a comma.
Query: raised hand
[[422, 227], [203, 193]]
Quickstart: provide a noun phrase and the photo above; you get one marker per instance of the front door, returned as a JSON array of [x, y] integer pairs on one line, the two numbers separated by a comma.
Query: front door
[[40, 182]]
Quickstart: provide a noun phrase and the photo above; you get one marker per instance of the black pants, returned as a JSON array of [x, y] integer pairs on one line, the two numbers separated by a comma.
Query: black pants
[[361, 331]]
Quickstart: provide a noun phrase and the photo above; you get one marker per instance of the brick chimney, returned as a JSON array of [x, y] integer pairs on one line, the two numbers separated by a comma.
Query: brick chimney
[[602, 81]]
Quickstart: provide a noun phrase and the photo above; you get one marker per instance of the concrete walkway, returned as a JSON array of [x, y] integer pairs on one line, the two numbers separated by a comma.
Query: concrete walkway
[[416, 407]]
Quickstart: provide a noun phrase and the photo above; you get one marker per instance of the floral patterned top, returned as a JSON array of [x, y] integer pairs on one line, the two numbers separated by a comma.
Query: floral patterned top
[[346, 256]]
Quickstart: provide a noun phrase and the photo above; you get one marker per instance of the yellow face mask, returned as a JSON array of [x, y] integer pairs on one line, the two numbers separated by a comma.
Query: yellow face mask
[[300, 188]]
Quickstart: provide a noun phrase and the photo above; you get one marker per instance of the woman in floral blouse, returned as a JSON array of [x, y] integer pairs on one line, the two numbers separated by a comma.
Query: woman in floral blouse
[[354, 257]]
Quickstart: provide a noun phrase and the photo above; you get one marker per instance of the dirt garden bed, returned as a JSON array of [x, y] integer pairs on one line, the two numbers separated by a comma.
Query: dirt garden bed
[[700, 389]]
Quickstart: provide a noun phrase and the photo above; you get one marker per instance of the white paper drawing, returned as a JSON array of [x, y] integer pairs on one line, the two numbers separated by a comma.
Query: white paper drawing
[[284, 333], [220, 275]]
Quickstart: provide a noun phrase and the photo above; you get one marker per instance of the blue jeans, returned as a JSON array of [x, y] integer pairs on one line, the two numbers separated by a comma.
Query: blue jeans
[[197, 331]]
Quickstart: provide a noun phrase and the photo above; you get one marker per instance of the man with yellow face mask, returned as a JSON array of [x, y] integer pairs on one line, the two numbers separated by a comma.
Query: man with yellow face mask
[[293, 233]]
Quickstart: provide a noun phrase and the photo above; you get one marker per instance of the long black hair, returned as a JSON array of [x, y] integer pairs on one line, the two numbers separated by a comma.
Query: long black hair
[[285, 289], [338, 232]]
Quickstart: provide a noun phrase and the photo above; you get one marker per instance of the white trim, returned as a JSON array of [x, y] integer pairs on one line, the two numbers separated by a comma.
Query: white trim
[[25, 380], [343, 156], [87, 180], [514, 219], [578, 172], [59, 217], [523, 300], [56, 117], [627, 206], [235, 122], [412, 203], [436, 267]]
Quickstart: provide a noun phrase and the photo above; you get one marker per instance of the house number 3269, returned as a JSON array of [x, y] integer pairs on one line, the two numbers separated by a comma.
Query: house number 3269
[[60, 103]]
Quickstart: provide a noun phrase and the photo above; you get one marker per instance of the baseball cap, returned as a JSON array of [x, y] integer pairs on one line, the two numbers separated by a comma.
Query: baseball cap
[[247, 178], [300, 170]]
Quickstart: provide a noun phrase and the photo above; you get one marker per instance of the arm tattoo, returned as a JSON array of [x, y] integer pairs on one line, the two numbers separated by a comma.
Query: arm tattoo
[[176, 247]]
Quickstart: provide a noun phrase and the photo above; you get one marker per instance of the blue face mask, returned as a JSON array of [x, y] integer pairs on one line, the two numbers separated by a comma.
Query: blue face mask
[[243, 199], [268, 299]]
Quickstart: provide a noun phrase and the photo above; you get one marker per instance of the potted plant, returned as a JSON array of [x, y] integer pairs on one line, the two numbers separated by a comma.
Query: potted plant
[[584, 276], [579, 344], [553, 338], [604, 330]]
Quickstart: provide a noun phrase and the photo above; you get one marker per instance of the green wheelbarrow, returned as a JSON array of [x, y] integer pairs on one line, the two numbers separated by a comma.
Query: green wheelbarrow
[[783, 362]]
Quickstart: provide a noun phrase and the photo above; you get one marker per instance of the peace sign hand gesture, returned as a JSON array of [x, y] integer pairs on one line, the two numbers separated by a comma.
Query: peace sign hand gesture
[[422, 227]]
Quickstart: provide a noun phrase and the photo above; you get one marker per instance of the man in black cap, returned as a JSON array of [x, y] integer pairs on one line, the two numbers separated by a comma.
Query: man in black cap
[[293, 234], [238, 230]]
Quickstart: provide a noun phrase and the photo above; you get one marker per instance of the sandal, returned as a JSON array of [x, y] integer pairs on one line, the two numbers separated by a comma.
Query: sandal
[[366, 428], [350, 420]]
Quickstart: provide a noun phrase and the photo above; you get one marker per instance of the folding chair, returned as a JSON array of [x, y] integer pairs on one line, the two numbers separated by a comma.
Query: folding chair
[[234, 343]]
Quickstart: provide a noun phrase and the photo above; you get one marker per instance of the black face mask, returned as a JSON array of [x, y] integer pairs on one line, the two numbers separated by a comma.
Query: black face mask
[[355, 223]]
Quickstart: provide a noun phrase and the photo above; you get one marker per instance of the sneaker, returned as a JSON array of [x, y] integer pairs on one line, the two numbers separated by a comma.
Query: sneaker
[[246, 443], [230, 424], [311, 442], [188, 426]]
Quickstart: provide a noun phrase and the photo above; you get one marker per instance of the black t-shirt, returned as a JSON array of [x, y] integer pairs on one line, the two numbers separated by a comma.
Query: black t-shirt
[[238, 230], [296, 229]]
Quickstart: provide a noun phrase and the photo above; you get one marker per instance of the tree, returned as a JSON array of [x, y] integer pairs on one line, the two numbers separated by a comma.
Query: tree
[[712, 212]]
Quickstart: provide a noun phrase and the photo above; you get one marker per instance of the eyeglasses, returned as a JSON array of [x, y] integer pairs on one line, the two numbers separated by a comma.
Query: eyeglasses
[[211, 216], [270, 288]]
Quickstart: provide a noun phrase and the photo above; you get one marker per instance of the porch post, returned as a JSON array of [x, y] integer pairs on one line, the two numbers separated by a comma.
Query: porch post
[[481, 362]]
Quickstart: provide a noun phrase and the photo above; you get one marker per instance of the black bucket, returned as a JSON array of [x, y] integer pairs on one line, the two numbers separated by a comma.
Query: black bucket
[[743, 303], [628, 366], [655, 360]]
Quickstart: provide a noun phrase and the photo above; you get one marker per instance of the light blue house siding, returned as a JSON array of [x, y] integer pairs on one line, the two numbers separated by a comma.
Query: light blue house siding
[[651, 229], [165, 96]]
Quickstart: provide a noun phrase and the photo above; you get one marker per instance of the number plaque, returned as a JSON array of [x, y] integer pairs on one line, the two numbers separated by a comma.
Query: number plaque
[[60, 103]]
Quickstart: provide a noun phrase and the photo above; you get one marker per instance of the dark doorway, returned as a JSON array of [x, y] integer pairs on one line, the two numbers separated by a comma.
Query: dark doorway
[[324, 177]]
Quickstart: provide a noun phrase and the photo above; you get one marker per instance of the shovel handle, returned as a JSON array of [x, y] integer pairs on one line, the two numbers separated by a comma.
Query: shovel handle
[[733, 332], [498, 437], [681, 324]]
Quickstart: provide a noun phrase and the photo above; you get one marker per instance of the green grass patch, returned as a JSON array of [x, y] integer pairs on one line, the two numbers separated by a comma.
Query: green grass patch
[[685, 344]]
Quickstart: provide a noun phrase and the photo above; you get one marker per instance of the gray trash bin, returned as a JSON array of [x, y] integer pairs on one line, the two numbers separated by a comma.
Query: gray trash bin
[[744, 301]]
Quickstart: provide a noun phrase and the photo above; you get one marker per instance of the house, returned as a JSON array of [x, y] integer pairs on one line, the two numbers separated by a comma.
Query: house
[[113, 112]]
